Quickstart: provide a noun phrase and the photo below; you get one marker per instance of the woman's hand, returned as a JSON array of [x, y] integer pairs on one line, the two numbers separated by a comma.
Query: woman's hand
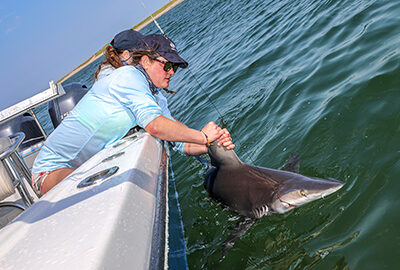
[[225, 139], [223, 136], [212, 131]]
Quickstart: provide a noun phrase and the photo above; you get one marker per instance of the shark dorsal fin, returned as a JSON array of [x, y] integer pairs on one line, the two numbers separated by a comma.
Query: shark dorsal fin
[[292, 164]]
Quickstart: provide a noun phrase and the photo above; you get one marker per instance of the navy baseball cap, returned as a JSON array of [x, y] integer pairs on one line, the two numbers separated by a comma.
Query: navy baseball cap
[[165, 47], [128, 40]]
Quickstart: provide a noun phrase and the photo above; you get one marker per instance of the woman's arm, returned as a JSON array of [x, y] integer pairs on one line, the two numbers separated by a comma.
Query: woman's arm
[[169, 130], [194, 149]]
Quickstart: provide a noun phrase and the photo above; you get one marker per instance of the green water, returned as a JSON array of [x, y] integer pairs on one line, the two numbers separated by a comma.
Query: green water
[[320, 78]]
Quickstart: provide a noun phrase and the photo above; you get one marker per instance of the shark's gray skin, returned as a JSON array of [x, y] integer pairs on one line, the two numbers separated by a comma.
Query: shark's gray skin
[[256, 191]]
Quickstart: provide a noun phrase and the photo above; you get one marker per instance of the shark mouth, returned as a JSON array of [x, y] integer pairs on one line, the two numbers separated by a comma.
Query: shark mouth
[[287, 205]]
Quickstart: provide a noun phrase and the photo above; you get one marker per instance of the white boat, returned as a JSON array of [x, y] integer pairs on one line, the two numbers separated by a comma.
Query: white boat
[[110, 213]]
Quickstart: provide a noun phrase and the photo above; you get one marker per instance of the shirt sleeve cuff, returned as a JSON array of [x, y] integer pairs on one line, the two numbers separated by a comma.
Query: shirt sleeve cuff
[[179, 147], [146, 120]]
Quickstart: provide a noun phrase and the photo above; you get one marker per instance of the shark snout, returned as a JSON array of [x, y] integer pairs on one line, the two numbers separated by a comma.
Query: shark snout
[[297, 192], [332, 186]]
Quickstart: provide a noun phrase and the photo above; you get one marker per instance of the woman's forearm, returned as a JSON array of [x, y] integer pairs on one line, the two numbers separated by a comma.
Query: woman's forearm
[[194, 149], [169, 130]]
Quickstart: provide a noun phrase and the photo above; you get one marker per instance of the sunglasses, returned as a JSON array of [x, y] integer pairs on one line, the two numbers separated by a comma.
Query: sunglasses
[[168, 65]]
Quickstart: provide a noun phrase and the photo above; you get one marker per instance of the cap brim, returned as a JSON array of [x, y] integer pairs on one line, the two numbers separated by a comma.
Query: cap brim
[[176, 59]]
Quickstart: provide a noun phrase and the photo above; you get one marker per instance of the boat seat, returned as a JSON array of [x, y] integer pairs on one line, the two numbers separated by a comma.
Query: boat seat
[[6, 184], [14, 174]]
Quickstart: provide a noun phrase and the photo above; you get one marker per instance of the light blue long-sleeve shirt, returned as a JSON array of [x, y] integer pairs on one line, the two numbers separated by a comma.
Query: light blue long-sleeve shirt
[[115, 104]]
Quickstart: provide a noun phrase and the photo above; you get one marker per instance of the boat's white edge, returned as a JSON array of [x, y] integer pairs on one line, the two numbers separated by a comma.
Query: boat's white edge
[[118, 223], [54, 91]]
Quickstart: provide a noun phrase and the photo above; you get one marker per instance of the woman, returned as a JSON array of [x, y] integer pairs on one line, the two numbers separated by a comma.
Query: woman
[[119, 100]]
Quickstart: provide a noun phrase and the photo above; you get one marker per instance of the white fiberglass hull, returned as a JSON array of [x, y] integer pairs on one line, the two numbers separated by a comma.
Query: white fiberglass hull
[[119, 222]]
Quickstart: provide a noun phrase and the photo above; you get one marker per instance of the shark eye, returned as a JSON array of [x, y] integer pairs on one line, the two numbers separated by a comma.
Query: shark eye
[[303, 193]]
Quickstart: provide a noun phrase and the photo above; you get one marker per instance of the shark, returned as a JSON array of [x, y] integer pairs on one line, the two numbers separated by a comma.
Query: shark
[[254, 192]]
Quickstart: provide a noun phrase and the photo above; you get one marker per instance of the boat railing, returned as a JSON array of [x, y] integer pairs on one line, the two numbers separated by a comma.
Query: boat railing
[[29, 104], [14, 174]]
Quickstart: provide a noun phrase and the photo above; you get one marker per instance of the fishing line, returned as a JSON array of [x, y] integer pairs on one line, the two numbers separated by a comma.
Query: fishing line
[[222, 125], [190, 71], [154, 20]]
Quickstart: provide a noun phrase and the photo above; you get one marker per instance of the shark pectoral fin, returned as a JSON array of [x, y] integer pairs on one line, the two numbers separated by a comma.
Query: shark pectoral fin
[[241, 228], [292, 164]]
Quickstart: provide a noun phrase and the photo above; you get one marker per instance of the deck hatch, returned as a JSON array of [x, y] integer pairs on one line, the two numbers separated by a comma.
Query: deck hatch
[[122, 142], [113, 156], [97, 177]]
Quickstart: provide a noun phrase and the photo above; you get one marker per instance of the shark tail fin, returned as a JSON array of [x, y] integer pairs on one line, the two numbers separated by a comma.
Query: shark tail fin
[[292, 164]]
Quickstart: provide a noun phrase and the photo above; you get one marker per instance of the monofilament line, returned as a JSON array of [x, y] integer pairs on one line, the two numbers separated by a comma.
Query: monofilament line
[[198, 83], [154, 20]]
